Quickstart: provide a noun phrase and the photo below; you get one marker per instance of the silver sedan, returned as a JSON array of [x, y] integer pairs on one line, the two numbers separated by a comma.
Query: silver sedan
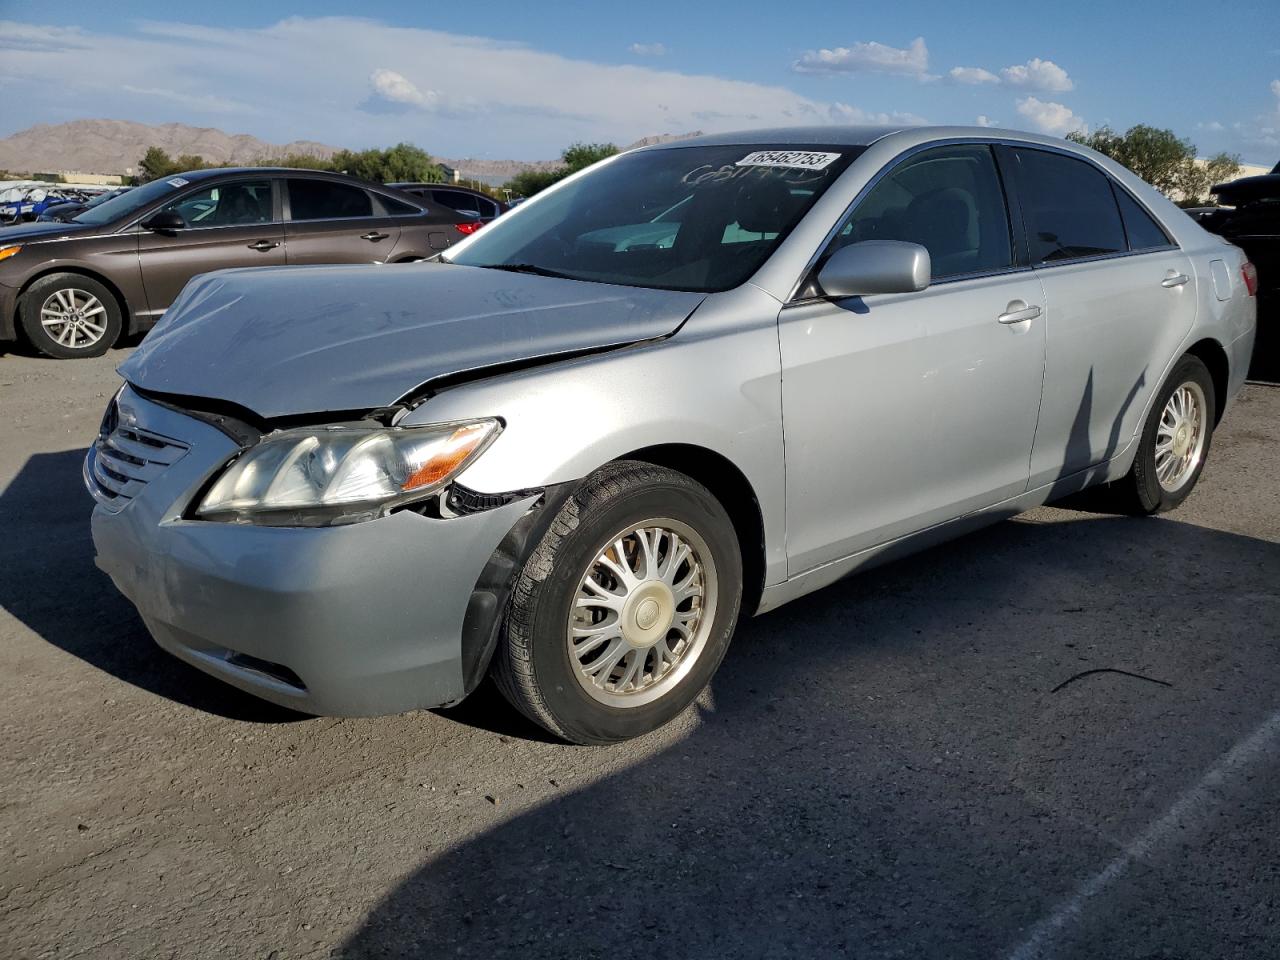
[[693, 381]]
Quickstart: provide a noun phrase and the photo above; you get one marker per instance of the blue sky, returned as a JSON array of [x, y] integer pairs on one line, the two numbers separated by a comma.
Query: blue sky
[[522, 80]]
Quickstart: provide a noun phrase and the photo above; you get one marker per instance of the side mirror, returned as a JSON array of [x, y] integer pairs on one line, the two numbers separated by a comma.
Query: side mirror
[[875, 266], [165, 221]]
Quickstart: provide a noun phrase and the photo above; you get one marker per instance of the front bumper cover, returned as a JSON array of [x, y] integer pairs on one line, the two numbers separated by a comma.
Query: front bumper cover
[[354, 620]]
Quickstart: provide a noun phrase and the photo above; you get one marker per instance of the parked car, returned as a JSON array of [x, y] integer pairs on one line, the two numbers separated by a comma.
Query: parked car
[[573, 463], [1251, 220], [476, 208], [68, 210], [73, 288]]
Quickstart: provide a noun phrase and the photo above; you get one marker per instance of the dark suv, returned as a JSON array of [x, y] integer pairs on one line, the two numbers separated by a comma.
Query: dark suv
[[475, 208], [73, 288]]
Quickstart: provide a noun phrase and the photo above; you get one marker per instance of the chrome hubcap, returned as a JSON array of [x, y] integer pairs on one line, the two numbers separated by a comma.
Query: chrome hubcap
[[1180, 436], [74, 318], [642, 613]]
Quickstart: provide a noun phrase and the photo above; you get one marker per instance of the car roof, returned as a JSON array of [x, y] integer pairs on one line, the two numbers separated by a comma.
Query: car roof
[[195, 176], [838, 135], [848, 136], [401, 184]]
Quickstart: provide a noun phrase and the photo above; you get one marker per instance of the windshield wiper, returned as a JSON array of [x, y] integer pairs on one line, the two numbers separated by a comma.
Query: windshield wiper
[[526, 268]]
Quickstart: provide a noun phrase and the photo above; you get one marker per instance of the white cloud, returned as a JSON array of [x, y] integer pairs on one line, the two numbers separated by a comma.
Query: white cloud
[[648, 49], [843, 113], [1213, 126], [984, 121], [972, 75], [1275, 88], [1035, 74], [191, 101], [870, 57], [1050, 117], [394, 87], [452, 94]]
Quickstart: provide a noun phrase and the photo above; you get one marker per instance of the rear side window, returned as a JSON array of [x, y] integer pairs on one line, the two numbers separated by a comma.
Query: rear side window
[[1139, 226], [950, 201], [325, 200], [1068, 208]]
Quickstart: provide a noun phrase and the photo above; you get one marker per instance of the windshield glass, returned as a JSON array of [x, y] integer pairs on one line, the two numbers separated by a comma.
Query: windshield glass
[[131, 201], [682, 218]]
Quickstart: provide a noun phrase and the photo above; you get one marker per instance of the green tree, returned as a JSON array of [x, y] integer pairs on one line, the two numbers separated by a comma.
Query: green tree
[[1163, 159], [401, 163], [155, 164], [296, 161], [582, 155], [574, 158]]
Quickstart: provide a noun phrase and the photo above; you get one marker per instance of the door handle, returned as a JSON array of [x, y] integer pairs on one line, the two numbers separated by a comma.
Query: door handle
[[1174, 279], [373, 236], [263, 245], [1017, 311]]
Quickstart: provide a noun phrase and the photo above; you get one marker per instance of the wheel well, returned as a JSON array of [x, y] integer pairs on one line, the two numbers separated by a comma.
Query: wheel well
[[1211, 354], [731, 487], [126, 312]]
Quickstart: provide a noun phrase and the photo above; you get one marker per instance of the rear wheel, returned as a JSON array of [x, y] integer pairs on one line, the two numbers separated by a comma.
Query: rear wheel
[[626, 607], [69, 316], [1175, 442]]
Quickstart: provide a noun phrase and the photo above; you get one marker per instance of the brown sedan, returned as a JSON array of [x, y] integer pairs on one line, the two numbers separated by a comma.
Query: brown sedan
[[72, 289]]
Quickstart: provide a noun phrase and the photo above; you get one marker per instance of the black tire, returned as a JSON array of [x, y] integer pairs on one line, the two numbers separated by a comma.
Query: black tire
[[70, 284], [532, 665], [1139, 492]]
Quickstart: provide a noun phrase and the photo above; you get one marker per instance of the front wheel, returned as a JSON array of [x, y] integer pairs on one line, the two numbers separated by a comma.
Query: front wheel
[[626, 607], [1175, 442], [70, 316]]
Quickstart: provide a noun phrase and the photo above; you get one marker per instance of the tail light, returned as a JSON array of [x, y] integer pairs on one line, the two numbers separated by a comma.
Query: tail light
[[1250, 274], [468, 226]]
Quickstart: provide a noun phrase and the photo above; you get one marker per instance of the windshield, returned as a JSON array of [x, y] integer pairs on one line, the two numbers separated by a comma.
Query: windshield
[[683, 218], [131, 201]]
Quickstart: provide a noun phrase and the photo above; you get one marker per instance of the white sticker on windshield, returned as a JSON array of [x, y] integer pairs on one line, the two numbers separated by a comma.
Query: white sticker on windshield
[[178, 182], [802, 159]]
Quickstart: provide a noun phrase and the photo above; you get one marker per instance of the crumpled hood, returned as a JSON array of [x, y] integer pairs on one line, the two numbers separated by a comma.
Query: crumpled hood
[[299, 340]]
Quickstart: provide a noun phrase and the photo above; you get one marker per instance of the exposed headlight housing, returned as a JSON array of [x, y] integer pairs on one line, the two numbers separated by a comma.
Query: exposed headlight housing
[[341, 474]]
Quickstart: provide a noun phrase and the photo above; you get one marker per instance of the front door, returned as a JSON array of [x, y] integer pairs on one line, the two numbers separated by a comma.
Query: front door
[[230, 224], [903, 411]]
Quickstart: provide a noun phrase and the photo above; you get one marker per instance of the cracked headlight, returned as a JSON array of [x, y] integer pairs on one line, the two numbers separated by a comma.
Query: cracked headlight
[[341, 474]]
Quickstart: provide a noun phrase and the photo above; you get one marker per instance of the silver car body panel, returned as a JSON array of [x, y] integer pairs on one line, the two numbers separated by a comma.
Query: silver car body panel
[[863, 433]]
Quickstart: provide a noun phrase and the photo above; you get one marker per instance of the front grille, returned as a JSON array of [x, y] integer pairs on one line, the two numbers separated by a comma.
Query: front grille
[[124, 460]]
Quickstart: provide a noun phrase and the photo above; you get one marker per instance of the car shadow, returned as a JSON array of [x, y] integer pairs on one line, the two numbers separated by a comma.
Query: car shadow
[[52, 585], [921, 761]]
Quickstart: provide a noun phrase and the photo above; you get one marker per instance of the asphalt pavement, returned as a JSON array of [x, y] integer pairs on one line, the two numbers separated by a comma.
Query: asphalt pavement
[[1058, 737]]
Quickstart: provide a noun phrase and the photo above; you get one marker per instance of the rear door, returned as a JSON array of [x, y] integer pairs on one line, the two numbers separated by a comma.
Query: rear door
[[1120, 298], [329, 221], [231, 223]]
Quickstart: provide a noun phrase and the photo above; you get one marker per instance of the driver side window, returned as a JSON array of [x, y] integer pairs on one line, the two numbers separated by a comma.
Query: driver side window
[[950, 201], [239, 202]]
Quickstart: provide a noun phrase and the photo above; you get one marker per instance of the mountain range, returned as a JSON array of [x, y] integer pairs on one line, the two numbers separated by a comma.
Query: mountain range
[[116, 146]]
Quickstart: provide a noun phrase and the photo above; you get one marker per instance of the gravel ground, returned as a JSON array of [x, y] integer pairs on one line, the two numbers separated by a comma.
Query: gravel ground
[[914, 763]]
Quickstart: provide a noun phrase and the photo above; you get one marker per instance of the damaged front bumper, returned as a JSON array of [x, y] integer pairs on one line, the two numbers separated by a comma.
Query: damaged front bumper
[[354, 620]]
